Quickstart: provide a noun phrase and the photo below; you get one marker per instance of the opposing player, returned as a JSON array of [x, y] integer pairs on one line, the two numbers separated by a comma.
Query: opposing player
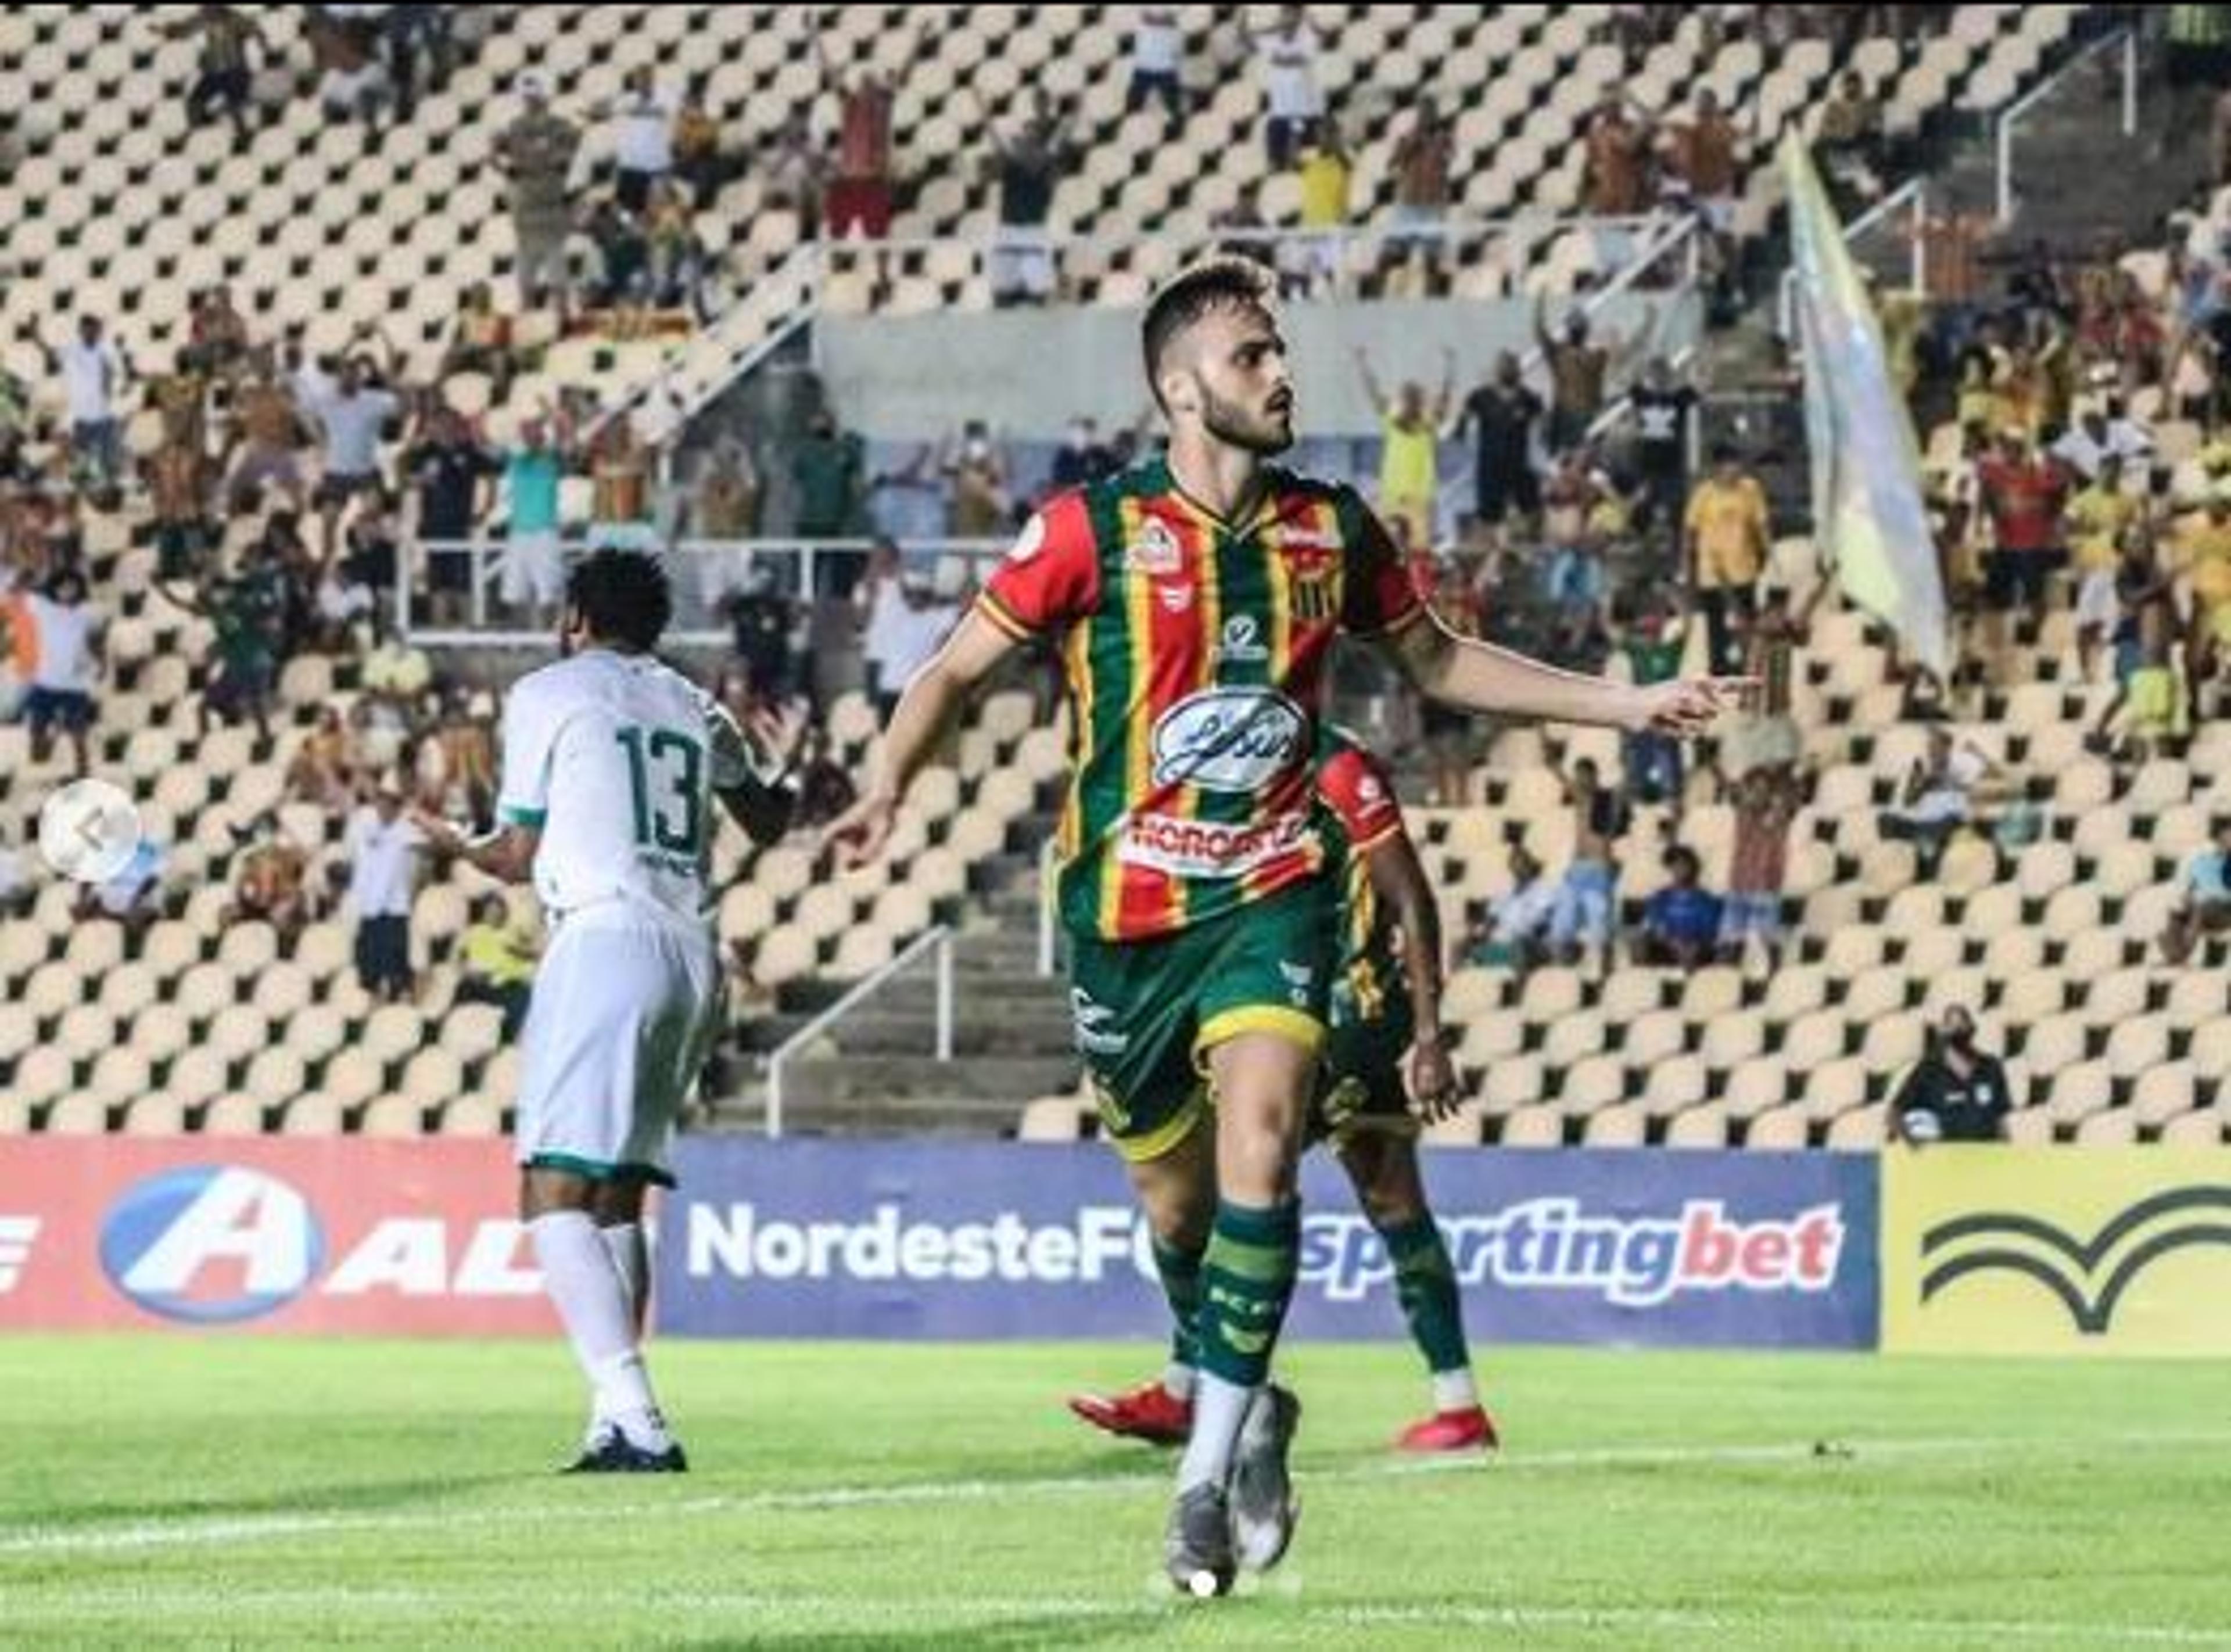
[[611, 763], [1386, 1018], [1195, 600]]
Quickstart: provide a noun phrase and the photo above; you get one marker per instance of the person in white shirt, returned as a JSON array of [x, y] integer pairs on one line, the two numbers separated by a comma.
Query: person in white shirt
[[1157, 48], [643, 141], [383, 857], [66, 638], [1289, 55], [353, 418], [2102, 433], [94, 372], [612, 762]]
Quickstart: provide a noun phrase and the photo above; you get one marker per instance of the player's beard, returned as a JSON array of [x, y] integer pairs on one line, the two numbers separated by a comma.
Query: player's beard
[[1264, 433]]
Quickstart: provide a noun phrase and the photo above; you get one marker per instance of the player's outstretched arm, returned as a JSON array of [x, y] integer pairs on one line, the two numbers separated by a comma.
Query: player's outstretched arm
[[506, 854], [765, 802], [1399, 879], [926, 711], [1477, 676]]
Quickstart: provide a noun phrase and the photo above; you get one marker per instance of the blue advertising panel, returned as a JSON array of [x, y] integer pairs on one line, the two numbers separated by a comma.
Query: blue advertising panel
[[986, 1241]]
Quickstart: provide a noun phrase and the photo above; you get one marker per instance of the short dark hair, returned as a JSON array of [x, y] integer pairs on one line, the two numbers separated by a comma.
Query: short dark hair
[[622, 595], [1214, 283]]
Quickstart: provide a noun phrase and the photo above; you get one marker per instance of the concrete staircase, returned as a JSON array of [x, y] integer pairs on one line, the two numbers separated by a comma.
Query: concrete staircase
[[875, 1072]]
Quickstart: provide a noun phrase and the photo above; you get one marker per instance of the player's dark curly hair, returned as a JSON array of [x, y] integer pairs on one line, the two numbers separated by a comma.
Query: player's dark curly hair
[[1191, 293], [623, 595]]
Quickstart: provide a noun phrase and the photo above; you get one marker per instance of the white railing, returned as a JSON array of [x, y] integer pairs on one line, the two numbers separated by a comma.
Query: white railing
[[939, 940], [721, 566], [2011, 117], [1049, 899], [1913, 193]]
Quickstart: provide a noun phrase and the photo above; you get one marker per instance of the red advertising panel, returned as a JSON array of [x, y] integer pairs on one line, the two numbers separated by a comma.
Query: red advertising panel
[[385, 1237]]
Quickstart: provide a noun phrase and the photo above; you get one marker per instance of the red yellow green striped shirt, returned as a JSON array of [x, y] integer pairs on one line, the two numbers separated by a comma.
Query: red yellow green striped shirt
[[1197, 654]]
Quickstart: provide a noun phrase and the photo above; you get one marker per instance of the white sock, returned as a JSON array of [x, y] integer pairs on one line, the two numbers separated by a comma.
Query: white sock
[[633, 1260], [577, 1272], [1178, 1380], [1455, 1390], [1218, 1408]]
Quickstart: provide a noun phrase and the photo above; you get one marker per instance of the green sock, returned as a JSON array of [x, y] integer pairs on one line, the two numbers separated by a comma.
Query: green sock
[[1248, 1279], [1181, 1273], [1427, 1286]]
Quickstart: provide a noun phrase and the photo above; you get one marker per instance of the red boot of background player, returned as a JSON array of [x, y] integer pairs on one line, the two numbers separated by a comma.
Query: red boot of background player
[[1147, 1412], [1469, 1430]]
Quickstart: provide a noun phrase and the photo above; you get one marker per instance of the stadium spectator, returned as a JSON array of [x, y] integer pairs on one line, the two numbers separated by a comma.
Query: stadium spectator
[[407, 31], [498, 954], [1727, 536], [2103, 431], [225, 76], [1938, 797], [2202, 552], [1157, 55], [1654, 642], [1421, 162], [1295, 102], [723, 507], [324, 769], [1681, 924], [481, 342], [762, 618], [2205, 905], [383, 849], [345, 47], [1580, 369], [1310, 263], [795, 171], [93, 373], [271, 886], [354, 419], [1956, 1092], [132, 896], [698, 160], [879, 607], [912, 634], [1663, 408], [267, 434], [1766, 802], [620, 466], [977, 502], [216, 334], [826, 472], [2097, 518], [450, 470], [1516, 934], [623, 246], [1767, 736], [1410, 434], [1500, 416], [65, 639], [365, 579], [1083, 456], [1615, 176], [1703, 159], [1850, 143], [1026, 167], [857, 199], [180, 480], [1581, 922], [642, 140], [454, 763], [2023, 493], [536, 152]]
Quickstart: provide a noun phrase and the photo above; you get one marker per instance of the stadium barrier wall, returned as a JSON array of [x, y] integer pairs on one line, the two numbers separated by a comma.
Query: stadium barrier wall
[[991, 1241], [343, 1234], [2057, 1250]]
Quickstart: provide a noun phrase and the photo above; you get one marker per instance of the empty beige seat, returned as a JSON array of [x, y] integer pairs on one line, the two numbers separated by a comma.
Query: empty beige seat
[[1533, 1127]]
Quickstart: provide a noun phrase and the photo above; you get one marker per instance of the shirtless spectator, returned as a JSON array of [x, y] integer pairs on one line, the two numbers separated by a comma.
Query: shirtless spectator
[[325, 769], [271, 886], [267, 435], [1615, 181]]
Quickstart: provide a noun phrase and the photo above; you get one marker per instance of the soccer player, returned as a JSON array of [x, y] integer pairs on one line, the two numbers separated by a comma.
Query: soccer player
[[1195, 599], [1386, 1016], [612, 761]]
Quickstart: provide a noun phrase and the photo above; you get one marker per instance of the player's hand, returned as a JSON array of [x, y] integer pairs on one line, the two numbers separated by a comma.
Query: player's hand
[[779, 736], [1687, 707], [1433, 1078], [858, 835]]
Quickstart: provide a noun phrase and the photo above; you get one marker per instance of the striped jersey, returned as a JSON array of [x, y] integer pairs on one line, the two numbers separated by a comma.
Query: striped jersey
[[1359, 815], [1197, 653]]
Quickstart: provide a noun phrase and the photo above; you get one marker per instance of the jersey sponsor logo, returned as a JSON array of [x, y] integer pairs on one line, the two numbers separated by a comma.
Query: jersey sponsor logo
[[17, 1235], [1228, 739], [1156, 551], [1101, 1242], [219, 1243], [1030, 541], [1243, 643], [1197, 848]]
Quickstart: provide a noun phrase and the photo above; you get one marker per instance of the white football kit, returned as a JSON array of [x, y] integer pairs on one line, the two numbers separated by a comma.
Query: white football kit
[[616, 757]]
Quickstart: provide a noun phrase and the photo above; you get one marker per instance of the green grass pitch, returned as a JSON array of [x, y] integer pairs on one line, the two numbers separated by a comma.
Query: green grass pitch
[[275, 1493]]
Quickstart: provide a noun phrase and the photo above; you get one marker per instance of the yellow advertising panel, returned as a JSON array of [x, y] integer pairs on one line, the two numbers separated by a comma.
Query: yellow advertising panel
[[2057, 1250]]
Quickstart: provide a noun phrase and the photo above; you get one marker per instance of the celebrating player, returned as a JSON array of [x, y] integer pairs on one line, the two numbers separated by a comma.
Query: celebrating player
[[1196, 599], [1386, 1016], [610, 762]]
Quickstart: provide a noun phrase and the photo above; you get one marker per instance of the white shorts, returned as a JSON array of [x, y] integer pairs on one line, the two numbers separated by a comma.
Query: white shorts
[[2096, 607], [533, 567], [625, 1009]]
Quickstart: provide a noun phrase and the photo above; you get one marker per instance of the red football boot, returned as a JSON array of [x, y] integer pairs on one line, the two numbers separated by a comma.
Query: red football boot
[[1147, 1412], [1469, 1430]]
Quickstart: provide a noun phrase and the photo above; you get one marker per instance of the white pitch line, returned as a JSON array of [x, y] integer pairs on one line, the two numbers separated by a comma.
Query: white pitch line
[[1513, 1618], [281, 1528]]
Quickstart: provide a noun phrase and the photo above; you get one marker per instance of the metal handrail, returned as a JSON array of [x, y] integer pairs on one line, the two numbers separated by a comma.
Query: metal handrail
[[1049, 853], [2011, 116], [940, 940], [1914, 189]]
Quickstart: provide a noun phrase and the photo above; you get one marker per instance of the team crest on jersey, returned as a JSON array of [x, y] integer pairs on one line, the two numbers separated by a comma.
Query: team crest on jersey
[[1175, 599], [1369, 790], [1156, 551]]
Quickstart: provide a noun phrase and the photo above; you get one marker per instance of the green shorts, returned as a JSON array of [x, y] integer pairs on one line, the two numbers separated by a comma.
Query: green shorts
[[1148, 1012], [1362, 1086]]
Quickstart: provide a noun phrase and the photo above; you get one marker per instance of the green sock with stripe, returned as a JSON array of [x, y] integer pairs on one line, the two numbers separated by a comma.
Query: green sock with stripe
[[1247, 1279], [1426, 1282], [1180, 1275]]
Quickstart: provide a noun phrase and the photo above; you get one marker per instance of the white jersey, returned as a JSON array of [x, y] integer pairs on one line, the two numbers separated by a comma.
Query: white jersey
[[615, 758]]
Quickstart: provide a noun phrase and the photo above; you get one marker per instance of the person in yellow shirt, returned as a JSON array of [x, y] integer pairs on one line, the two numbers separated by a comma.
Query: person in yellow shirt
[[2098, 517], [2203, 562], [1410, 432], [1727, 537], [498, 954], [1311, 262]]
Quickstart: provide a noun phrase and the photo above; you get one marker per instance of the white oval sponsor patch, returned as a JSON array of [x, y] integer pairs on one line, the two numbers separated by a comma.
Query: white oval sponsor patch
[[1228, 739], [1030, 541]]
